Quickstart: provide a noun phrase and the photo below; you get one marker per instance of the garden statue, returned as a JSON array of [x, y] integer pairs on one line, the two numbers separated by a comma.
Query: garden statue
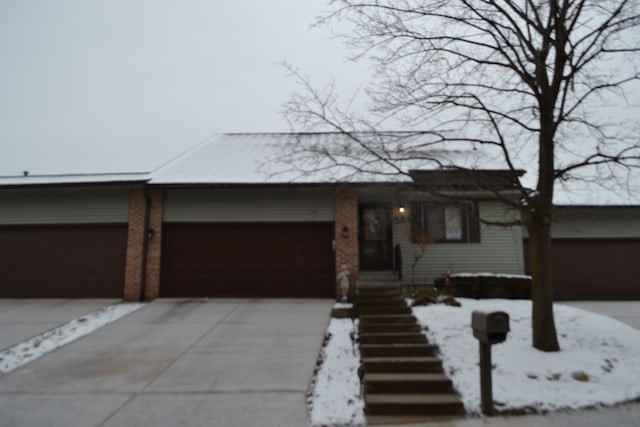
[[343, 281]]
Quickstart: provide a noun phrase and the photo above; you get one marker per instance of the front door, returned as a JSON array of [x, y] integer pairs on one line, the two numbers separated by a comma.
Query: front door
[[375, 237]]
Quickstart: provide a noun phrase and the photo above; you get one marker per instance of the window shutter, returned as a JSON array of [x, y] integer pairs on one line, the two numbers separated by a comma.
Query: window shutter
[[473, 220]]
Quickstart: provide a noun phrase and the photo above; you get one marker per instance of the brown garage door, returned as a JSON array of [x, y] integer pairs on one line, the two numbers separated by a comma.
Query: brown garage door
[[598, 269], [248, 260], [62, 261]]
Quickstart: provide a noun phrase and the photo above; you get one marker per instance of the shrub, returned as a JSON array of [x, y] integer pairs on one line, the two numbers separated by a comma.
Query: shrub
[[487, 285], [425, 295]]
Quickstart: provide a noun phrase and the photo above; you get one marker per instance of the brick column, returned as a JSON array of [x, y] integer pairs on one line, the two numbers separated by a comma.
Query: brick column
[[346, 214], [136, 241], [154, 249], [135, 245]]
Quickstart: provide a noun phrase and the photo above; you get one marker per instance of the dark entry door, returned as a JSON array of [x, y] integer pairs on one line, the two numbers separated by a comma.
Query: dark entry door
[[375, 237]]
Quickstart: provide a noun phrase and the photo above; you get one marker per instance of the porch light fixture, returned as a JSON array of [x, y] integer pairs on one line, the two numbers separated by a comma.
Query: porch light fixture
[[401, 210], [345, 232]]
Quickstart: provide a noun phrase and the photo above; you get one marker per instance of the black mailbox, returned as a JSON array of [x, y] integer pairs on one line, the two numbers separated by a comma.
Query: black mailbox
[[490, 327]]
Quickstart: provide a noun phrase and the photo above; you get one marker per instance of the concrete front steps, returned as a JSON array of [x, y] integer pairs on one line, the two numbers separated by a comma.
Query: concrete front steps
[[408, 383], [402, 375]]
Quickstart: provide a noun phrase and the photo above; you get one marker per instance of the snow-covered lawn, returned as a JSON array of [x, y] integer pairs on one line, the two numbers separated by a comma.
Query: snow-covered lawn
[[27, 351], [599, 363]]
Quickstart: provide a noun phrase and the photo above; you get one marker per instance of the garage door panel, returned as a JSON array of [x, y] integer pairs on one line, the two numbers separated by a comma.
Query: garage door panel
[[248, 260], [595, 269], [62, 261]]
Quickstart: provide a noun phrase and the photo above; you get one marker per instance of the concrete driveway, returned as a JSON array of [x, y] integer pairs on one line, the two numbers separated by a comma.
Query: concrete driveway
[[625, 311], [178, 362]]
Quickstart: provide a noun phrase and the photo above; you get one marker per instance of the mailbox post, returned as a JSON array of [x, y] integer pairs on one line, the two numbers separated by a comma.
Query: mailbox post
[[489, 328]]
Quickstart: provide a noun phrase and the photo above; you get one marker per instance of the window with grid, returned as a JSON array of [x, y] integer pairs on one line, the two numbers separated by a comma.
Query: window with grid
[[440, 222]]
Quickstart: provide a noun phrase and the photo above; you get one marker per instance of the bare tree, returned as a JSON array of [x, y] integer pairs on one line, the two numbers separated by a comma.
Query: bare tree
[[529, 82], [421, 241]]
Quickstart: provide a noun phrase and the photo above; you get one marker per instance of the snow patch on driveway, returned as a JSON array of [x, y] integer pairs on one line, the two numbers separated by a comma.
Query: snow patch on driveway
[[27, 351]]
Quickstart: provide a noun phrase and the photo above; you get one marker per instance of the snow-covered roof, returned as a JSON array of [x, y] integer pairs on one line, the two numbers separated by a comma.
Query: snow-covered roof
[[100, 178], [326, 158], [316, 158], [232, 159], [255, 159], [304, 158]]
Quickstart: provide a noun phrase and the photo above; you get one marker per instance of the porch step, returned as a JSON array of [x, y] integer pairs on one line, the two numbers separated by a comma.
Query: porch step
[[380, 293], [387, 319], [380, 276], [386, 302], [390, 327], [392, 338], [381, 309], [403, 404], [397, 350], [407, 383], [363, 298], [377, 283], [402, 375], [390, 306], [428, 364]]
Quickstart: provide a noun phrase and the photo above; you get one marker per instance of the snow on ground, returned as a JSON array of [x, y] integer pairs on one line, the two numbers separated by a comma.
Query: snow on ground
[[27, 351], [335, 398], [599, 363]]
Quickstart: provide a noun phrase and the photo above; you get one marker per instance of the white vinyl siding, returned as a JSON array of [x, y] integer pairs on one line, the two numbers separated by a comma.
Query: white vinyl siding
[[86, 205], [499, 249], [249, 205]]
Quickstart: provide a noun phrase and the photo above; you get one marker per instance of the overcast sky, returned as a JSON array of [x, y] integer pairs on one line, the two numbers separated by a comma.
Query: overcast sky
[[125, 85]]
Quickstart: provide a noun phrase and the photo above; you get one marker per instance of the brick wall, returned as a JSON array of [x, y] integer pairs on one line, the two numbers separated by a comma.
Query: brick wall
[[152, 290], [346, 214], [136, 241], [135, 245]]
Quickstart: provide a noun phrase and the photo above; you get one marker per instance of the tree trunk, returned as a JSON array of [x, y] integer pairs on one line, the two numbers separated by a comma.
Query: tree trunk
[[539, 223], [544, 328]]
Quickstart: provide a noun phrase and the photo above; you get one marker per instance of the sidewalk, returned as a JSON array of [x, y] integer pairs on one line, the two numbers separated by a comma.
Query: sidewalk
[[622, 416]]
